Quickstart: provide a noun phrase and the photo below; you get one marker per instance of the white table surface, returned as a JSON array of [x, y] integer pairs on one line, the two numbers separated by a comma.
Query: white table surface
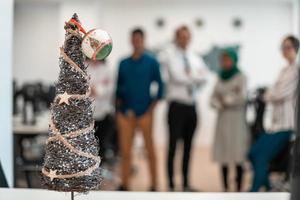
[[41, 125], [38, 194]]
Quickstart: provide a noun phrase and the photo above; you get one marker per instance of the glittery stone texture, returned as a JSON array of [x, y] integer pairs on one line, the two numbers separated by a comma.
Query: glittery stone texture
[[62, 157]]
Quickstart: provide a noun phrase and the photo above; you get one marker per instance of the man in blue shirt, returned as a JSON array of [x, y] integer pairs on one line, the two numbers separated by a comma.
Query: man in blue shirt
[[135, 104]]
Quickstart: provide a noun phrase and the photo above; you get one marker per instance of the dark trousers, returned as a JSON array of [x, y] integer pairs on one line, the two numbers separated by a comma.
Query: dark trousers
[[182, 120], [238, 179], [266, 148], [106, 133]]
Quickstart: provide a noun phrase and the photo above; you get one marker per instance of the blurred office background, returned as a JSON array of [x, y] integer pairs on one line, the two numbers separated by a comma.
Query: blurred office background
[[256, 27]]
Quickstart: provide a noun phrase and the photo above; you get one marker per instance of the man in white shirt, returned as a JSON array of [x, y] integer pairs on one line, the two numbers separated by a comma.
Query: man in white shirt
[[184, 73], [102, 89]]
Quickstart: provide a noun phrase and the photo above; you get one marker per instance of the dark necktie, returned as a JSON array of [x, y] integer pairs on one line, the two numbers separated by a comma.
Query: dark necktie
[[187, 69]]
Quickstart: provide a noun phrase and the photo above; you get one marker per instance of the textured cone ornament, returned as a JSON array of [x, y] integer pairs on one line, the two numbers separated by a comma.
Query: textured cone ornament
[[97, 44], [71, 162]]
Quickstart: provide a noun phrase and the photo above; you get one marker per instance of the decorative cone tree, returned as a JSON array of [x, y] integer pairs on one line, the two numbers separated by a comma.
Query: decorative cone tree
[[71, 161]]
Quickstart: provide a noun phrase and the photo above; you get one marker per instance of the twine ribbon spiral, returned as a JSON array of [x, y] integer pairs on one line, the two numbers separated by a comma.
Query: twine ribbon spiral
[[57, 136]]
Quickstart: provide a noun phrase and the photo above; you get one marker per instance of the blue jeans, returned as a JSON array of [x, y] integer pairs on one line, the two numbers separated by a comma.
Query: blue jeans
[[266, 148]]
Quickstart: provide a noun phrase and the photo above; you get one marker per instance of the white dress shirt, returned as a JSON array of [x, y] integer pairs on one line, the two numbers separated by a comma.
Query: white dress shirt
[[282, 96], [102, 80], [183, 72]]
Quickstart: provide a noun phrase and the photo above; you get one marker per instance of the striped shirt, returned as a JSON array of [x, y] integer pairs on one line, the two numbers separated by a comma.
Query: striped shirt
[[282, 96]]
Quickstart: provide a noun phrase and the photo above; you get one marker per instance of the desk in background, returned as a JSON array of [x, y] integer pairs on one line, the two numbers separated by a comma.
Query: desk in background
[[24, 163]]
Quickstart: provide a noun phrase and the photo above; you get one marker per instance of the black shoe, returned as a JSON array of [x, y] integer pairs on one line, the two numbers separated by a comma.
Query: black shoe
[[189, 189], [122, 188], [152, 189], [171, 188]]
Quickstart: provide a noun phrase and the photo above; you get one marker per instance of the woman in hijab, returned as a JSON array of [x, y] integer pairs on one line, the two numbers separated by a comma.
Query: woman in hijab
[[229, 100]]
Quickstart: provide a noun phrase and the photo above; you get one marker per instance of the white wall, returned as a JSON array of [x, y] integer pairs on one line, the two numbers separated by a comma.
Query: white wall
[[296, 14], [265, 24], [36, 41], [6, 24], [39, 33], [89, 14]]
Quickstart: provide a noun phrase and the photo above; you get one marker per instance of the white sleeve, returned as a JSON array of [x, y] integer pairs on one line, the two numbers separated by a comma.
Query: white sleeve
[[164, 66], [200, 72], [105, 88], [169, 73]]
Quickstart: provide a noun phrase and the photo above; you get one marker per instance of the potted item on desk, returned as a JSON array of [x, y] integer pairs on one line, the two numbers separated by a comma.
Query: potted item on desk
[[29, 95]]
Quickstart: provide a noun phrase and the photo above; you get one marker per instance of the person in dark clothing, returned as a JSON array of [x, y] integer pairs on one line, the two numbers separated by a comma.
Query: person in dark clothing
[[295, 175]]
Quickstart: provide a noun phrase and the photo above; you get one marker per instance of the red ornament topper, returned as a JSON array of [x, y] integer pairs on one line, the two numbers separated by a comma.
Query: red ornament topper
[[78, 24]]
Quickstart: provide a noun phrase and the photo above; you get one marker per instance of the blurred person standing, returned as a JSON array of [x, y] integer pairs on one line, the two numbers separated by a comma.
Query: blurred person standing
[[184, 73], [135, 104], [229, 99], [282, 97], [102, 89]]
